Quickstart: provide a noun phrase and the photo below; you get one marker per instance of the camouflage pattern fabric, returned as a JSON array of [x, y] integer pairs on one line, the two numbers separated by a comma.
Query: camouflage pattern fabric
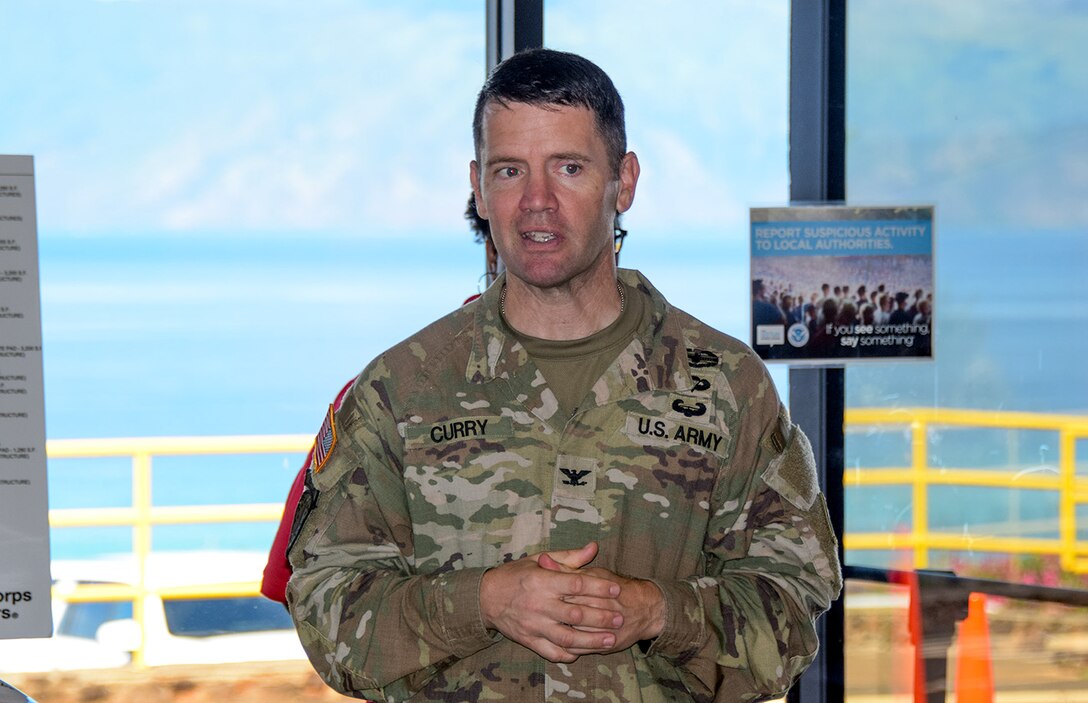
[[449, 458]]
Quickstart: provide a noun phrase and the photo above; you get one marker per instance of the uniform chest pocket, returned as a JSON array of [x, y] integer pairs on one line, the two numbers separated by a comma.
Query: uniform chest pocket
[[671, 461], [658, 490], [460, 460], [470, 488]]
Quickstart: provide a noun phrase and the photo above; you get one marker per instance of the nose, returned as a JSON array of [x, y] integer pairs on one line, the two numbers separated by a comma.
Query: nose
[[539, 192]]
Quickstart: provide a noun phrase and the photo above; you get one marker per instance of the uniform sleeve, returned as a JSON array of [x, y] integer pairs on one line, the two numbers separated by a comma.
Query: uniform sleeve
[[277, 570], [746, 629], [371, 626]]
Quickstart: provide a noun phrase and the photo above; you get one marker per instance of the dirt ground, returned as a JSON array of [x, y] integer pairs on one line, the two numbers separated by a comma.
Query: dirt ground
[[1038, 654], [287, 682]]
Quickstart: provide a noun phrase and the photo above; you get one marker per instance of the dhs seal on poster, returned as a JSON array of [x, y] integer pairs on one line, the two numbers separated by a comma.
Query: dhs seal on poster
[[841, 283]]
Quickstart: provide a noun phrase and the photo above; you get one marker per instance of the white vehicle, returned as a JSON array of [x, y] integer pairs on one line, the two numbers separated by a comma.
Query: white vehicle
[[193, 614], [10, 694]]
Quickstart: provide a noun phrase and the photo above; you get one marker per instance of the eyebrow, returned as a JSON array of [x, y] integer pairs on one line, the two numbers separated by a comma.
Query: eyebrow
[[491, 161], [561, 156], [571, 156]]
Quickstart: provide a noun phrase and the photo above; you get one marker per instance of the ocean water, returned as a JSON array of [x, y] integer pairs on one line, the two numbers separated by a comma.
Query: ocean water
[[220, 334]]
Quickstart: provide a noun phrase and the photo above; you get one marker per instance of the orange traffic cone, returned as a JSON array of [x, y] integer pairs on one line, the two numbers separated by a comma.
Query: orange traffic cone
[[908, 664], [916, 671], [974, 670], [908, 661]]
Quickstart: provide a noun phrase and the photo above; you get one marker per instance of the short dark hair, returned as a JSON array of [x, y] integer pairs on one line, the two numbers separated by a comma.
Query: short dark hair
[[481, 228], [543, 77]]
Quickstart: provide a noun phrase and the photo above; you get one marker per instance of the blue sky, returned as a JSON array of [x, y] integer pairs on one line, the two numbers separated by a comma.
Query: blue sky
[[248, 116], [240, 203], [980, 105]]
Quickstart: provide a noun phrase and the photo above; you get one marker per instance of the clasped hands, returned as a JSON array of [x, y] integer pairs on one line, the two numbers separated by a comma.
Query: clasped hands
[[556, 605]]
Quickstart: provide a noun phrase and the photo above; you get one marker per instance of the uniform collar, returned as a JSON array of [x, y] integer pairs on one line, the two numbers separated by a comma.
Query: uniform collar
[[655, 359]]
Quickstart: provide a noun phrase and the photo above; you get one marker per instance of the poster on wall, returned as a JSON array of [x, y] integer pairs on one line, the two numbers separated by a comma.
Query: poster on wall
[[24, 499], [837, 284]]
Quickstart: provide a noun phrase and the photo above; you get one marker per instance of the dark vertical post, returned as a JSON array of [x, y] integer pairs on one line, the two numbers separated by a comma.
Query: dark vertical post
[[513, 25], [817, 404], [818, 175], [818, 101]]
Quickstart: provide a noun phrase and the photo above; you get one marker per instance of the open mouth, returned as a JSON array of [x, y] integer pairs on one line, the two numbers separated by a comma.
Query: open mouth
[[540, 237]]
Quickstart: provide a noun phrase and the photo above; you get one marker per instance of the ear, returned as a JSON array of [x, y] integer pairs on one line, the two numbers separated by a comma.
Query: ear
[[474, 177], [629, 170], [491, 256]]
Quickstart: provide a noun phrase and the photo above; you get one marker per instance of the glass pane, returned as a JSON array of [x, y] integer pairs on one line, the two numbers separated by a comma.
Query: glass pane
[[205, 617], [976, 462], [880, 660], [84, 619], [981, 109], [1035, 647], [988, 648], [709, 125], [239, 205], [225, 191]]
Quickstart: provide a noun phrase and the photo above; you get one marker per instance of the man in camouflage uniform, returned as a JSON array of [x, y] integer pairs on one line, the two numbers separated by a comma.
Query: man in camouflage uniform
[[567, 490]]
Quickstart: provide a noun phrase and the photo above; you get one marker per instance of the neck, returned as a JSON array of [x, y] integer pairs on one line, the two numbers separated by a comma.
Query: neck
[[558, 314]]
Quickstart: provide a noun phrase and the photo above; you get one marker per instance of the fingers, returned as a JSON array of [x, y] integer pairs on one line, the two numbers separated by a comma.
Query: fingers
[[566, 609], [557, 640], [530, 603], [571, 559], [580, 583], [560, 643], [546, 562], [640, 606], [569, 638], [597, 616], [590, 586]]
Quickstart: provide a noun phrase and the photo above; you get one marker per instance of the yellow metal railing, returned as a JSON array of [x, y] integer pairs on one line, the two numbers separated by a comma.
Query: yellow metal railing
[[143, 516], [1072, 489]]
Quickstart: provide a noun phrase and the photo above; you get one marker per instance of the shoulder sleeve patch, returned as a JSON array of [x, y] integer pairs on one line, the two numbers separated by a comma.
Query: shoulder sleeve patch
[[324, 442], [792, 471]]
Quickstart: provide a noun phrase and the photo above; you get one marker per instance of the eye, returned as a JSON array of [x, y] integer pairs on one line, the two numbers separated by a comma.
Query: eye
[[572, 169], [508, 172]]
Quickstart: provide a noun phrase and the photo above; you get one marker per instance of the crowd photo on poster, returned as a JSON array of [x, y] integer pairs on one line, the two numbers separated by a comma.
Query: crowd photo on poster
[[828, 307]]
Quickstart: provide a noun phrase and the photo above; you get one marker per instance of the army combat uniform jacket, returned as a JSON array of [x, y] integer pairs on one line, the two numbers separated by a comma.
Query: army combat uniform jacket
[[448, 456]]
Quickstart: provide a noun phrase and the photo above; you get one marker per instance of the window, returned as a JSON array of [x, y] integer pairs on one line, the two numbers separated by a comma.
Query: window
[[84, 619], [204, 617], [709, 124], [975, 462], [239, 205], [966, 107]]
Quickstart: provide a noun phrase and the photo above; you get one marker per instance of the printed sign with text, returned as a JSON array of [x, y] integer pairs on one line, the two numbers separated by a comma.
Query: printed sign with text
[[839, 283], [25, 609]]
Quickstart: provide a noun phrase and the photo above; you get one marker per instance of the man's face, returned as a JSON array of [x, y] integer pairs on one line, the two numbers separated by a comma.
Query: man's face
[[545, 185]]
